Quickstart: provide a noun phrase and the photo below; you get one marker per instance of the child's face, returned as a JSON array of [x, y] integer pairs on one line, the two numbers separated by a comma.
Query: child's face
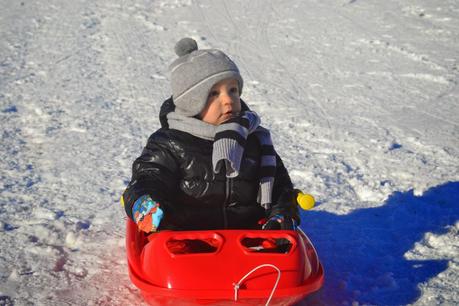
[[223, 102]]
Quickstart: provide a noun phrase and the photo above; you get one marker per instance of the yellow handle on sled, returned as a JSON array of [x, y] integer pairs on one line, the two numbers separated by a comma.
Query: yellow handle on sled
[[306, 201]]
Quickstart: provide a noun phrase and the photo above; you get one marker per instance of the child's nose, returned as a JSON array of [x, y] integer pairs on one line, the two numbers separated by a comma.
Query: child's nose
[[227, 99]]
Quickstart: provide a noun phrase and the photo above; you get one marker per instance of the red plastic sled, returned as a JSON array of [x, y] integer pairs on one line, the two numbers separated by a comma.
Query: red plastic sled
[[223, 267]]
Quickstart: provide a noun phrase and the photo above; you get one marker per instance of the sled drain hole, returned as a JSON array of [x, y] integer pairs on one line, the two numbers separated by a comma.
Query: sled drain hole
[[192, 246], [266, 245]]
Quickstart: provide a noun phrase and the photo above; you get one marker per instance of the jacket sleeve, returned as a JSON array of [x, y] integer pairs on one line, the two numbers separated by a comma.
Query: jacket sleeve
[[154, 173], [284, 195]]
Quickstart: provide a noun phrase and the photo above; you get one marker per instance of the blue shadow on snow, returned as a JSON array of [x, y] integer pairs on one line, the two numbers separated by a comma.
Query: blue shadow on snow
[[363, 252]]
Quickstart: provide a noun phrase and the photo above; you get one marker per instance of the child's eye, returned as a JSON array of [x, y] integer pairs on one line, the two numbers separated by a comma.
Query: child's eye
[[234, 90], [213, 93]]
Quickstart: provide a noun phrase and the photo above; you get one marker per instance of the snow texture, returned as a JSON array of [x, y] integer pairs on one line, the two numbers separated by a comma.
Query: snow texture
[[361, 98]]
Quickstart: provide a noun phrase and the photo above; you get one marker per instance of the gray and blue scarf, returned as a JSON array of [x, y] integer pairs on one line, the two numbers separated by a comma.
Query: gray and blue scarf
[[229, 140]]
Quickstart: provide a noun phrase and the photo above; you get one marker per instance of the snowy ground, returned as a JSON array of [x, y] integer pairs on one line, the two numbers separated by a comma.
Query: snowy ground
[[362, 98]]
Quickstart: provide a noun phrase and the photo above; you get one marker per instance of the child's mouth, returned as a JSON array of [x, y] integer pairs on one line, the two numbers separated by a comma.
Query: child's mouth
[[228, 115]]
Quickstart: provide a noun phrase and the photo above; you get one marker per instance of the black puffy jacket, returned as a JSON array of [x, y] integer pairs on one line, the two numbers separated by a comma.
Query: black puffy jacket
[[175, 169]]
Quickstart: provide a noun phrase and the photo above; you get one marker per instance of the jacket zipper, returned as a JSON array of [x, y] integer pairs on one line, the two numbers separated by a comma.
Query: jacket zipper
[[225, 203]]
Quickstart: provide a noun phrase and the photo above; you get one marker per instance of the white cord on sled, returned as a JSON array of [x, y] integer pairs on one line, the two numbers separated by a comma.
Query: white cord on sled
[[237, 286]]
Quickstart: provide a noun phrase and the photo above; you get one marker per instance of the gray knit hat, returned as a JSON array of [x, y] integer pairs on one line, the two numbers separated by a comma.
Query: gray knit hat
[[195, 72]]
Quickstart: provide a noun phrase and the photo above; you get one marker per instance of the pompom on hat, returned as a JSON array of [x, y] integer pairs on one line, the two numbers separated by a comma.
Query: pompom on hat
[[195, 72]]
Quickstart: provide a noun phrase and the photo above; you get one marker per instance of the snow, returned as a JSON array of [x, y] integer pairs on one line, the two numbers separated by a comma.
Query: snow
[[361, 97]]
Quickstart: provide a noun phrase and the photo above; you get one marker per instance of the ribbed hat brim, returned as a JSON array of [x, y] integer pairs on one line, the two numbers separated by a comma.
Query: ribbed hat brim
[[193, 100]]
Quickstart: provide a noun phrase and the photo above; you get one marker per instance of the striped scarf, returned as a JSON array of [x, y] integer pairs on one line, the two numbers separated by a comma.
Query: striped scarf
[[230, 139], [229, 144]]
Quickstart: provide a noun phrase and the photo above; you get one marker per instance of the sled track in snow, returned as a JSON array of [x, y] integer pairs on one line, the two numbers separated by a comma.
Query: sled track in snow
[[410, 55], [321, 114]]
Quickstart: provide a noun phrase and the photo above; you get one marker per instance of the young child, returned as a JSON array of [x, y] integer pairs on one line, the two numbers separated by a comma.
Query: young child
[[211, 165]]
